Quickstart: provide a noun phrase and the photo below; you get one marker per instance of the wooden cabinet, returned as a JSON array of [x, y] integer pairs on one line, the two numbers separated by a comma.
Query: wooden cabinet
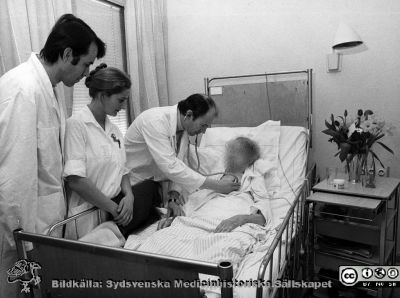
[[353, 226]]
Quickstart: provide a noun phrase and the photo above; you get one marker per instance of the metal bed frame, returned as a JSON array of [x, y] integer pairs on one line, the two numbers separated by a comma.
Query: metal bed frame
[[137, 274], [62, 259], [294, 234]]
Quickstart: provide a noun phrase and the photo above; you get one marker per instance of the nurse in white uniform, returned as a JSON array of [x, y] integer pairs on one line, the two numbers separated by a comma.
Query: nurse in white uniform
[[32, 125], [157, 142], [95, 154]]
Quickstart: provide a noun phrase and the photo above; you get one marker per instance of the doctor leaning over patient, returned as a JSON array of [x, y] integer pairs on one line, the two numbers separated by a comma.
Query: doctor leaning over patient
[[32, 125], [157, 144], [95, 157]]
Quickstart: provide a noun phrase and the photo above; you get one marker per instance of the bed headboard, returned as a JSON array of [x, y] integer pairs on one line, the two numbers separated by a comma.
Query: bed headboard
[[249, 100]]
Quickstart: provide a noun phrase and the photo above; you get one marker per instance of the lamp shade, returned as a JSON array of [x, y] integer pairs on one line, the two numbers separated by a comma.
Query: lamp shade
[[346, 38]]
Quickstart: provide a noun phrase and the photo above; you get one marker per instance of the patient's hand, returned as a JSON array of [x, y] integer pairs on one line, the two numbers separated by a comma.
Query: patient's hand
[[175, 209], [165, 223], [175, 203], [231, 223]]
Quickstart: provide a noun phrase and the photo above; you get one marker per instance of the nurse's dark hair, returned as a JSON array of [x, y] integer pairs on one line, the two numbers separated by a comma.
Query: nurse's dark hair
[[108, 80], [71, 32], [199, 104]]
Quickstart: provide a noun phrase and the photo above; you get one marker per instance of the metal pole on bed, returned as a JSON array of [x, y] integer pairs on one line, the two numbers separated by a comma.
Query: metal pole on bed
[[226, 274], [283, 232], [22, 255], [310, 106], [67, 220]]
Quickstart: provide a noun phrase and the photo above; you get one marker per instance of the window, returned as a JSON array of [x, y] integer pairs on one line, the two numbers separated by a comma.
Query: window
[[106, 18]]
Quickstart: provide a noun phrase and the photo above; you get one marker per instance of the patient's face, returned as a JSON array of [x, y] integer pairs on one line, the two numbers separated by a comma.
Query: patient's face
[[236, 161]]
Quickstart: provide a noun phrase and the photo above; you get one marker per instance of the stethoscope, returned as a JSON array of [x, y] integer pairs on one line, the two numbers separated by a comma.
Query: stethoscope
[[197, 169]]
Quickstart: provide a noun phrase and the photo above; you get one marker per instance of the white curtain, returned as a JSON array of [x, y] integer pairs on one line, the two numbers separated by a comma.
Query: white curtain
[[24, 27], [146, 35]]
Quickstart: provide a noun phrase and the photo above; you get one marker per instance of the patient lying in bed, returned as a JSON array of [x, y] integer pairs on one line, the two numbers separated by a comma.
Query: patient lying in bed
[[220, 227], [241, 153]]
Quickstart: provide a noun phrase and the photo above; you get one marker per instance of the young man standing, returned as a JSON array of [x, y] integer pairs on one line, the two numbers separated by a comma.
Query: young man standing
[[32, 126]]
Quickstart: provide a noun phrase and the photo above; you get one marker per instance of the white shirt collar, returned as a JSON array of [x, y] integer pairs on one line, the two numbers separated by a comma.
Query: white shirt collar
[[179, 126], [88, 117]]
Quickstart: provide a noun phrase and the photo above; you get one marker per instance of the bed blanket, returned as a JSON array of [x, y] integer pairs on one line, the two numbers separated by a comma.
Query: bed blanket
[[193, 236]]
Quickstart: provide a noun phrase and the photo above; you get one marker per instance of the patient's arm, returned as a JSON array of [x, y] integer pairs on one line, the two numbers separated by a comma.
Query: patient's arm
[[233, 222]]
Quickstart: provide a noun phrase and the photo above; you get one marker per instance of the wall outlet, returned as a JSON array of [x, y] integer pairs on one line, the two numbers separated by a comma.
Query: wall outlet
[[383, 172]]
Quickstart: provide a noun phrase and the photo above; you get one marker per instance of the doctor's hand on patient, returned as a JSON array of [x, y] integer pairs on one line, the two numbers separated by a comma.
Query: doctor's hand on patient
[[125, 210], [222, 186]]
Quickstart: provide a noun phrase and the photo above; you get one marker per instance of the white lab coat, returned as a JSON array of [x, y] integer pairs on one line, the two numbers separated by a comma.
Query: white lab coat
[[99, 155], [32, 126], [152, 153]]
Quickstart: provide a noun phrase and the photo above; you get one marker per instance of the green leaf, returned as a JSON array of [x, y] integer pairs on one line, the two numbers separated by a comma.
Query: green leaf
[[386, 147], [328, 125], [344, 150], [330, 132], [377, 158], [379, 137]]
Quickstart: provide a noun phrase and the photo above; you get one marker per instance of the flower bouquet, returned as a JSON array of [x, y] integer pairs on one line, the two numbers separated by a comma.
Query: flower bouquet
[[355, 139]]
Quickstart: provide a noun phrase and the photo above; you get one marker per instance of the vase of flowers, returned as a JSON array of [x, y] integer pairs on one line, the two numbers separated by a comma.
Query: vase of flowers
[[354, 168], [369, 170], [355, 139]]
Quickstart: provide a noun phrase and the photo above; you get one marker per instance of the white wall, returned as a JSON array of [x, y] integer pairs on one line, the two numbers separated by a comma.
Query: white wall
[[214, 38]]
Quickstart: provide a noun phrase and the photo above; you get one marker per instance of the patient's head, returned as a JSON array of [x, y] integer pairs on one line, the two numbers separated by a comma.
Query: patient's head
[[241, 153]]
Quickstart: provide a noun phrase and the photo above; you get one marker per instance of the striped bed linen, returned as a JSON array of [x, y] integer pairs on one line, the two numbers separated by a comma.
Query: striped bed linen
[[193, 238]]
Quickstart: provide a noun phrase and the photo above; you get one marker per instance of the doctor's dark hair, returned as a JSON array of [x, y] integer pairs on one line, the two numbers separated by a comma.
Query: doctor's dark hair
[[199, 104], [109, 80], [70, 32]]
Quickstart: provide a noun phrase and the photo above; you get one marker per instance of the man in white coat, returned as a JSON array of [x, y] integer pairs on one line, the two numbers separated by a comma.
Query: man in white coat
[[32, 126], [156, 145]]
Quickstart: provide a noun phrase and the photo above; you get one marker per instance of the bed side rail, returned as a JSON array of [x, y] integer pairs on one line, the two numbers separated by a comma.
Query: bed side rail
[[291, 235], [69, 219], [70, 268]]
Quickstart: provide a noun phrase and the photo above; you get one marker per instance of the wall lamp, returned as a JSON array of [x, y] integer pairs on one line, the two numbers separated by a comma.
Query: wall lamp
[[345, 38]]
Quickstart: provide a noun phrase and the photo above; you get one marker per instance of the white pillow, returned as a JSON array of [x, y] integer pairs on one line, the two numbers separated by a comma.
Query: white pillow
[[213, 142], [211, 159], [266, 135]]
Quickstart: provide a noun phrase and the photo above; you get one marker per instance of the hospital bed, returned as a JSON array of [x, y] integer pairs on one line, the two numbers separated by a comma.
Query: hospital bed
[[78, 269]]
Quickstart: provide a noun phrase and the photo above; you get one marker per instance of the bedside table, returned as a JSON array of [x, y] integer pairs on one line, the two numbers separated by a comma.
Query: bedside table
[[353, 226]]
